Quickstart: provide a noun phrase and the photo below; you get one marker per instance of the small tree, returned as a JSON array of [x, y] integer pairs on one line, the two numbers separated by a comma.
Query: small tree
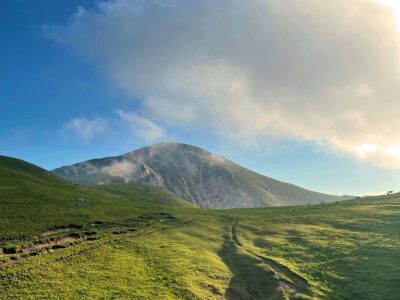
[[389, 193]]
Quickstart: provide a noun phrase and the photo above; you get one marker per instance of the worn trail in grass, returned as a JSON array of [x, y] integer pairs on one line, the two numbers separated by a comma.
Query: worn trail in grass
[[251, 279]]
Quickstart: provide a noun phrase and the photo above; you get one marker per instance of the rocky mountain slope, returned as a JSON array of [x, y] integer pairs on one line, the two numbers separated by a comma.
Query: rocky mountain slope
[[203, 178]]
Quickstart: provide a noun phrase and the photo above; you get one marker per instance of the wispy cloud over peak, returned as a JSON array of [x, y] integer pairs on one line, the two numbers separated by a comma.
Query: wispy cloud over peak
[[142, 127], [85, 129]]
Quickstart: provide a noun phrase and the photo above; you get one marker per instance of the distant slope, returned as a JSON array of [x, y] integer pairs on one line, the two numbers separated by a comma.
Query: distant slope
[[201, 177], [144, 192], [377, 199], [20, 168], [32, 198]]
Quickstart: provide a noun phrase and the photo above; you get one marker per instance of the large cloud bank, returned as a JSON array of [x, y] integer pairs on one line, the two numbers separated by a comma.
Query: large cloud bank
[[314, 70]]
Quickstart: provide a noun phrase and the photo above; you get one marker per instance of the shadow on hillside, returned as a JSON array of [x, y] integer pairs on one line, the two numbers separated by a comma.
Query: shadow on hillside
[[251, 279]]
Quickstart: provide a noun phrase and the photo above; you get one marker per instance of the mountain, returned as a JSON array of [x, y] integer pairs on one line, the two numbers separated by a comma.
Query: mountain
[[202, 178]]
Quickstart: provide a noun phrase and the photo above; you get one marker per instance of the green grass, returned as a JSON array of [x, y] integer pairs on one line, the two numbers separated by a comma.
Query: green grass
[[145, 193], [343, 251], [147, 244], [32, 199]]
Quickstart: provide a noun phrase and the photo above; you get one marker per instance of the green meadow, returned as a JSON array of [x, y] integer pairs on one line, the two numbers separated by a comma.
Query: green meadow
[[64, 241]]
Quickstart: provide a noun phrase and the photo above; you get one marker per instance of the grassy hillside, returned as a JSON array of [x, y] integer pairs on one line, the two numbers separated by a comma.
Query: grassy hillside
[[143, 192], [120, 246], [32, 199], [343, 251]]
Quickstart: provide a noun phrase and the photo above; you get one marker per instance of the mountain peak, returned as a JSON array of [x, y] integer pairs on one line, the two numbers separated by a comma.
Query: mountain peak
[[199, 176], [170, 147]]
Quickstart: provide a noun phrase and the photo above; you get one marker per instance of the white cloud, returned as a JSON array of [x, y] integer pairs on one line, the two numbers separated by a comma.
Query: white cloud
[[85, 128], [317, 70], [120, 168], [143, 127]]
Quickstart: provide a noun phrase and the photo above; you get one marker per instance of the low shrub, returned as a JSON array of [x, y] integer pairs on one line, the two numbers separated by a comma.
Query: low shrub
[[11, 250], [58, 246]]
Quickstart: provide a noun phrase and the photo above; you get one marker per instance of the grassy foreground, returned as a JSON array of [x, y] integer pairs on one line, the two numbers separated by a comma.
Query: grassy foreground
[[63, 241]]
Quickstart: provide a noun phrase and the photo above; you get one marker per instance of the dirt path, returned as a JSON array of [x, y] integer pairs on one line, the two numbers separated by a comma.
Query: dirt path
[[252, 279], [296, 283], [54, 231], [54, 239], [92, 245], [60, 241]]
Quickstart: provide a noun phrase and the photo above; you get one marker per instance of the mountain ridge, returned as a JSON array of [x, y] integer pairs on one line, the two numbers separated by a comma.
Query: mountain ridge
[[195, 174]]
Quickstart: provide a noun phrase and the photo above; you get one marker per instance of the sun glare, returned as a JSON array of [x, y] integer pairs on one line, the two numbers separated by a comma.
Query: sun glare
[[390, 151], [395, 6]]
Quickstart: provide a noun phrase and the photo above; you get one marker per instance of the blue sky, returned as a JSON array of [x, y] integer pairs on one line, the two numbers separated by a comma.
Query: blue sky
[[79, 81]]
